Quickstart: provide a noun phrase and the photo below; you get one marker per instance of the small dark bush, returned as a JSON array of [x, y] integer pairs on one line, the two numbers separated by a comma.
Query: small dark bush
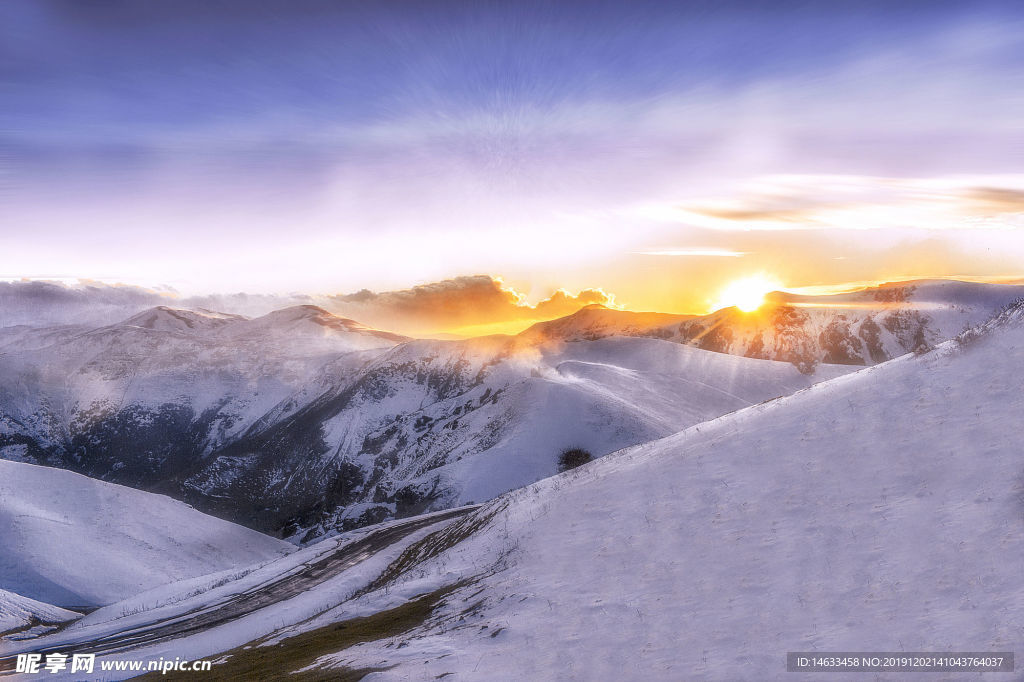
[[572, 458]]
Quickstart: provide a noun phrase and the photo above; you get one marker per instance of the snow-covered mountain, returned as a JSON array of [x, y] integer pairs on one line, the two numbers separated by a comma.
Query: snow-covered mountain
[[137, 401], [434, 424], [879, 511], [860, 328], [597, 321], [75, 541], [167, 319], [301, 423], [310, 321]]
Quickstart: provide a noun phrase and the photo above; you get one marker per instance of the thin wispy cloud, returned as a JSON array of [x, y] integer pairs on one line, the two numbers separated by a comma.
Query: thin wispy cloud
[[696, 253], [859, 203]]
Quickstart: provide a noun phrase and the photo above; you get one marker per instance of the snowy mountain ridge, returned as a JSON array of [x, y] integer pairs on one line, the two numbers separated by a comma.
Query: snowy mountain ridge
[[302, 424], [863, 327]]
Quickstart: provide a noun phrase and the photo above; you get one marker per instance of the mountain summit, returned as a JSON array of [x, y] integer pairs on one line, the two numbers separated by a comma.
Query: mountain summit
[[315, 321]]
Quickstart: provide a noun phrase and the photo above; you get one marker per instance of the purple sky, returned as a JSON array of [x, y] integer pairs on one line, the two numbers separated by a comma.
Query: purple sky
[[645, 148]]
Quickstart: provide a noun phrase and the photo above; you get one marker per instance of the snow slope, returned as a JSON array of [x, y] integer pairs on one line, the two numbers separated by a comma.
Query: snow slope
[[20, 613], [139, 402], [188, 601], [74, 541], [611, 393], [882, 510], [434, 424], [308, 322], [209, 374]]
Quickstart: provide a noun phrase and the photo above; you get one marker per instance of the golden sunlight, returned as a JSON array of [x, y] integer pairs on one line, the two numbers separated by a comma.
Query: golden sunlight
[[747, 294]]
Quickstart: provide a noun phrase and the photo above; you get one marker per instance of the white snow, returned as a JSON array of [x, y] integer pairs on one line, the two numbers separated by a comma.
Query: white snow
[[863, 327], [75, 541], [18, 612], [512, 406], [878, 510], [611, 393], [59, 381], [882, 510], [172, 600]]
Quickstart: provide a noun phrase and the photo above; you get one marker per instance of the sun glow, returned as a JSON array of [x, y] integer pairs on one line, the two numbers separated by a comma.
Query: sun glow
[[747, 294]]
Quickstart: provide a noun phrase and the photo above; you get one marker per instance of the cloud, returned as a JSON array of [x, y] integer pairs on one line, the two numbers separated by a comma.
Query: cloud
[[793, 215], [38, 302], [687, 252], [458, 302], [793, 202], [444, 305], [998, 199]]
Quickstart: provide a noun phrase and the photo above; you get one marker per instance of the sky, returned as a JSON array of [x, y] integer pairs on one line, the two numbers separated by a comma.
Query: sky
[[637, 154]]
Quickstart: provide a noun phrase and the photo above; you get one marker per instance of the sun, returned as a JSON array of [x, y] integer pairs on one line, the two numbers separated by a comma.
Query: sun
[[747, 294]]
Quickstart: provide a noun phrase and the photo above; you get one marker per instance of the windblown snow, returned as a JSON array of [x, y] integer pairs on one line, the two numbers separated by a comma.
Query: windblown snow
[[75, 541]]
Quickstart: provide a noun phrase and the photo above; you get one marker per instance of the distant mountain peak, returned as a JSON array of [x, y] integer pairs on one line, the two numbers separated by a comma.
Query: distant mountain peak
[[310, 309], [597, 320], [166, 318], [300, 312], [311, 318]]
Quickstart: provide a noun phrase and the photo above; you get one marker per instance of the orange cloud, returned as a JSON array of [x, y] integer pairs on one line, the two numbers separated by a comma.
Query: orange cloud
[[475, 304], [469, 301], [998, 199], [793, 215], [790, 202]]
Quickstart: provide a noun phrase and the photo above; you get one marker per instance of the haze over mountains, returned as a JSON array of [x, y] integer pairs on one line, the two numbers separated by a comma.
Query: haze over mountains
[[302, 423]]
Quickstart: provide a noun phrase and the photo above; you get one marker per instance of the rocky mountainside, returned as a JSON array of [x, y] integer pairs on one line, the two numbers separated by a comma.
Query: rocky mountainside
[[859, 328], [137, 402]]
